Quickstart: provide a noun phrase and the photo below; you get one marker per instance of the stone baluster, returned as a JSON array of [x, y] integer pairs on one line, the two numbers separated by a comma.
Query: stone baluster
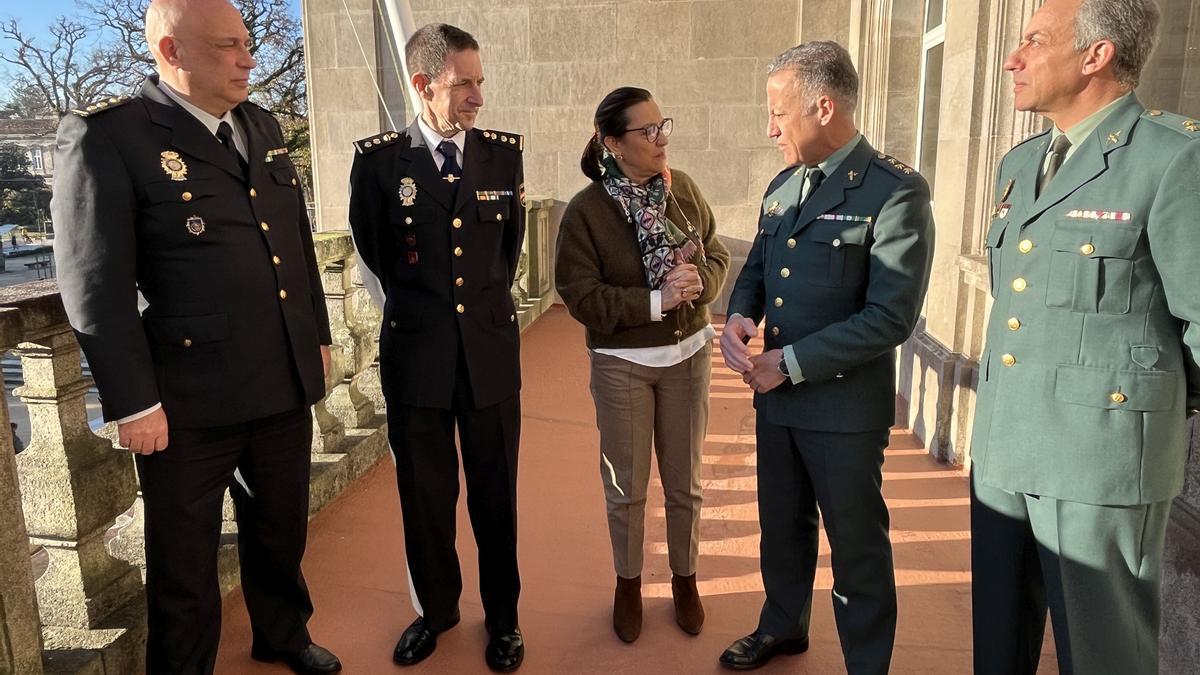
[[20, 626], [364, 317], [345, 401], [537, 263], [73, 487]]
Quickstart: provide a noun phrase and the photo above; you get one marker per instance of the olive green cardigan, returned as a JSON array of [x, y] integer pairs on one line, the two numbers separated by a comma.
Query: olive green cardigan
[[601, 278]]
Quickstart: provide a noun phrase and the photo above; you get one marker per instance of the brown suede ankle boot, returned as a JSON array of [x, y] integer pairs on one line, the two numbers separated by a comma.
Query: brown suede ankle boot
[[689, 613], [627, 608]]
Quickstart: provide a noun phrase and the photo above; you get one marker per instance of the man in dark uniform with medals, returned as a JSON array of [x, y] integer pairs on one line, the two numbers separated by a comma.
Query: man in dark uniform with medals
[[184, 192], [438, 216]]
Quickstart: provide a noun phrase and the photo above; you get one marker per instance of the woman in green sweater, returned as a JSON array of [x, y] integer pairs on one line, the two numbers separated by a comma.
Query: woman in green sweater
[[638, 262]]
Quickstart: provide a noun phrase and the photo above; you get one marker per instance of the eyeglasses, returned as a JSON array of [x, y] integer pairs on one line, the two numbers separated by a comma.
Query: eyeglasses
[[652, 130]]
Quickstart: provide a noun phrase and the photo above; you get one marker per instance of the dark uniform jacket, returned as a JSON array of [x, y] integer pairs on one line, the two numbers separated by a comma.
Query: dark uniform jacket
[[1092, 348], [446, 265], [146, 198], [842, 281]]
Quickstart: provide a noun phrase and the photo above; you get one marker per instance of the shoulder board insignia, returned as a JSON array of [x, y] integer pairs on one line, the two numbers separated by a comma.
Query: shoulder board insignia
[[101, 105], [897, 165], [512, 141], [1187, 126], [372, 143]]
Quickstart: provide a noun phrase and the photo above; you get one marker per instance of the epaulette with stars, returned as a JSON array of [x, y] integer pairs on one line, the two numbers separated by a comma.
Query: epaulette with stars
[[372, 143], [101, 105], [896, 165], [510, 141], [1184, 125]]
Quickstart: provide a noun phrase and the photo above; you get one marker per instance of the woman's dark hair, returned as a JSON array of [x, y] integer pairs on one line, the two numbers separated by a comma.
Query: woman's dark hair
[[612, 116]]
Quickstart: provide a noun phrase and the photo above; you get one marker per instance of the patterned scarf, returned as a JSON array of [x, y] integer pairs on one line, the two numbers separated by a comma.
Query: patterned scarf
[[663, 244]]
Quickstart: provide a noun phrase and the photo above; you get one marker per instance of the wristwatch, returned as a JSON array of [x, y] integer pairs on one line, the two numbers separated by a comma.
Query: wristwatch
[[783, 368]]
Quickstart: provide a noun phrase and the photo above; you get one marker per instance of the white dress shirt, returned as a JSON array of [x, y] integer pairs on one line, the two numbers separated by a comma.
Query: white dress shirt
[[433, 138]]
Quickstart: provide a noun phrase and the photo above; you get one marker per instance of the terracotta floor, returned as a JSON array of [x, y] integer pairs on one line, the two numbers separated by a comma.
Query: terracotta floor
[[355, 564]]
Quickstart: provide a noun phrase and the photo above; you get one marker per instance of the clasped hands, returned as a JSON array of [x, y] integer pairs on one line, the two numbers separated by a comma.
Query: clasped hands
[[761, 372], [682, 284]]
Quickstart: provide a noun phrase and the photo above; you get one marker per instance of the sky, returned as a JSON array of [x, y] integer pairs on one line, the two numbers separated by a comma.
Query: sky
[[34, 16]]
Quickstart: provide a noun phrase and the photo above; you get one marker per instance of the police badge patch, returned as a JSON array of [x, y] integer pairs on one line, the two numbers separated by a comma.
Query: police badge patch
[[408, 191], [173, 165], [195, 225]]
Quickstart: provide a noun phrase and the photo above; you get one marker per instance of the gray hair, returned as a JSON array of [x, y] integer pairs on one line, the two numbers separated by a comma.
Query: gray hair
[[821, 67], [1131, 25], [427, 49]]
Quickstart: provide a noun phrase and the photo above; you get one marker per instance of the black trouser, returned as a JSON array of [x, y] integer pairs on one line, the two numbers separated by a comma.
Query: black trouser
[[799, 470], [427, 474], [182, 490]]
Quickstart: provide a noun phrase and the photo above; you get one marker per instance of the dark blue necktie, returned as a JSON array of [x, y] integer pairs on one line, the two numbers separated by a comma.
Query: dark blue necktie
[[451, 171]]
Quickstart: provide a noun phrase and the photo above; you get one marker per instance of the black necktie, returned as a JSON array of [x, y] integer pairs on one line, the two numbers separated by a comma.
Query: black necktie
[[225, 135], [1058, 154], [815, 178]]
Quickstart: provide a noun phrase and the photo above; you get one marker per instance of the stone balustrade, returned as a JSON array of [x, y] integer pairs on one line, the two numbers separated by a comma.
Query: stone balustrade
[[72, 498]]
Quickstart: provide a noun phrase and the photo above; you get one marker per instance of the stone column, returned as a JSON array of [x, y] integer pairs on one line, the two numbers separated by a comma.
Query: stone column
[[342, 70]]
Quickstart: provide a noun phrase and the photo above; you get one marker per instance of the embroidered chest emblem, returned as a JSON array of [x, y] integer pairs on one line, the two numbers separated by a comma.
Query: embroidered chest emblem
[[408, 191], [173, 165], [195, 225]]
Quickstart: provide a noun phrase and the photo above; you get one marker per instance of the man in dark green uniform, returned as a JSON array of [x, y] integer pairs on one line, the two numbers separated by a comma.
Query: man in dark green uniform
[[839, 271], [1090, 367]]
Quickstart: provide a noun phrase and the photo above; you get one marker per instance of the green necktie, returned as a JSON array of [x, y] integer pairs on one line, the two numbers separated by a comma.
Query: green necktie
[[1058, 154]]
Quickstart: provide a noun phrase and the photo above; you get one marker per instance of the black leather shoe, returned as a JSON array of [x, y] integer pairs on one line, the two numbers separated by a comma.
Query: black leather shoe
[[311, 660], [754, 650], [505, 651], [417, 642]]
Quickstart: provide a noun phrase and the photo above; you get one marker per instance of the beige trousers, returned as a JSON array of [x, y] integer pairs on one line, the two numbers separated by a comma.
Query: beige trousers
[[636, 407]]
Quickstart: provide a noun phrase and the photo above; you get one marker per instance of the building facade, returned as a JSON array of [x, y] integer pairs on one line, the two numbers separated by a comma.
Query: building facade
[[934, 95], [36, 136]]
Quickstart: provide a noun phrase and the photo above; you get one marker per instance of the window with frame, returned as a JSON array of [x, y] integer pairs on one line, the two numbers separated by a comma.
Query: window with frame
[[35, 160], [933, 43]]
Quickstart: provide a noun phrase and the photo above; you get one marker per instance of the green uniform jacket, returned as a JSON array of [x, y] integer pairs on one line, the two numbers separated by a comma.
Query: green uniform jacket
[[1091, 357], [841, 280]]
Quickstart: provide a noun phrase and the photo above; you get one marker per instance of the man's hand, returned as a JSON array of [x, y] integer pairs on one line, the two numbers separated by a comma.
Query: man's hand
[[325, 359], [738, 331], [145, 435], [765, 375]]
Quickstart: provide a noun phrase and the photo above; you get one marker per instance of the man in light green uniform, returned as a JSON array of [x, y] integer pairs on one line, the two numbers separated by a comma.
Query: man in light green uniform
[[1090, 366]]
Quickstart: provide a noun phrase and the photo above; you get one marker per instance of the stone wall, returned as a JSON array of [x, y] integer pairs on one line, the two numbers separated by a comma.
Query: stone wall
[[549, 63]]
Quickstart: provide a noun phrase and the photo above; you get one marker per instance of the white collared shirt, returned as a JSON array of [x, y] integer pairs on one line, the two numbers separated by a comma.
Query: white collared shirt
[[209, 121], [433, 138]]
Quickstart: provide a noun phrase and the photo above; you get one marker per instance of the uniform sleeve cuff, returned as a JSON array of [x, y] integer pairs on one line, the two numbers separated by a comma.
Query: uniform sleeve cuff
[[793, 366], [656, 306], [140, 415]]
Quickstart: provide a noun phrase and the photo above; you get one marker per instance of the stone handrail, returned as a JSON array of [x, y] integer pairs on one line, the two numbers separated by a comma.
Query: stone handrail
[[73, 498]]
